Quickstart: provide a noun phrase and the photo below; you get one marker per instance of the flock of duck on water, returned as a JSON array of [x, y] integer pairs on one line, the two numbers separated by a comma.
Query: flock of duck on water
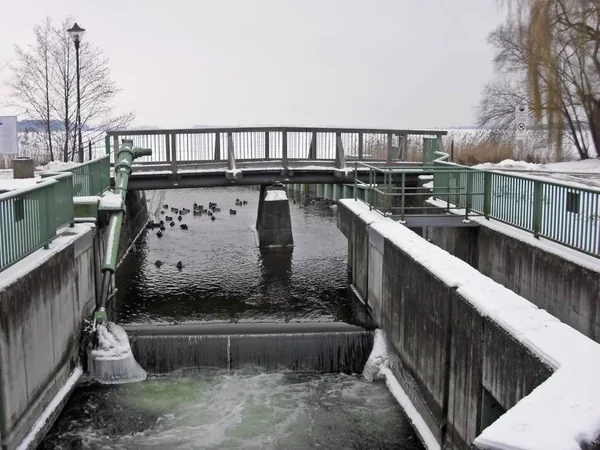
[[178, 213]]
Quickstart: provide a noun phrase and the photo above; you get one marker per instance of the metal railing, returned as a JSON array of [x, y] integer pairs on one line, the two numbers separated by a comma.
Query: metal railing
[[569, 215], [389, 192], [203, 145], [89, 178], [29, 217]]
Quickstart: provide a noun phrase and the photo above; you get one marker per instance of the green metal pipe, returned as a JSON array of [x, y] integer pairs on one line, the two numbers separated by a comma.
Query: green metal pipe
[[125, 157]]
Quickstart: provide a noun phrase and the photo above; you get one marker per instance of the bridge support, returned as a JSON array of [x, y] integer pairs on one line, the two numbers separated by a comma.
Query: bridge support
[[273, 222]]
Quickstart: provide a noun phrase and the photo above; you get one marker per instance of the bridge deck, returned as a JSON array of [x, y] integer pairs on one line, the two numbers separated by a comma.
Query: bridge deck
[[190, 175]]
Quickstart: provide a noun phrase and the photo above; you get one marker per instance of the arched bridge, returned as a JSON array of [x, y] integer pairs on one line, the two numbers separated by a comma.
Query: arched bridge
[[200, 157]]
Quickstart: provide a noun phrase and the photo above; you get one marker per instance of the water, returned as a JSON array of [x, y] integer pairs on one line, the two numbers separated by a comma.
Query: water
[[225, 277], [220, 411]]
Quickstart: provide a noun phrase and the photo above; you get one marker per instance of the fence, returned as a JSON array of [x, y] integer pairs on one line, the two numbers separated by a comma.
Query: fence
[[29, 217], [90, 178], [267, 143], [559, 212], [388, 192]]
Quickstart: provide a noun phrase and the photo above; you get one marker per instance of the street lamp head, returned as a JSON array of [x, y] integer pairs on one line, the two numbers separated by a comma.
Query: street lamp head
[[76, 33]]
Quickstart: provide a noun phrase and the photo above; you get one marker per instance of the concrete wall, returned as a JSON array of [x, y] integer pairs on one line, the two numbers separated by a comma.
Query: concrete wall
[[460, 366], [560, 284], [43, 300]]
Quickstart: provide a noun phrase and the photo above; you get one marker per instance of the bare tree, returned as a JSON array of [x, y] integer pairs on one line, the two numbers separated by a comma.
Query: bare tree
[[560, 45], [31, 82], [43, 85]]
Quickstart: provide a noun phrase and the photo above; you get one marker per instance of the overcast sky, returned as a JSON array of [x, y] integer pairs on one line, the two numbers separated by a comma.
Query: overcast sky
[[376, 63]]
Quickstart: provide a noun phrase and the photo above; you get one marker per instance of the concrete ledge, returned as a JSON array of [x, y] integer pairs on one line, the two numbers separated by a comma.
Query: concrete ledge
[[450, 324], [561, 280]]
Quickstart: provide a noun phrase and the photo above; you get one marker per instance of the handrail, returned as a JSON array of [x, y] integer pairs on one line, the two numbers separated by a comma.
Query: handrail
[[134, 132], [30, 216]]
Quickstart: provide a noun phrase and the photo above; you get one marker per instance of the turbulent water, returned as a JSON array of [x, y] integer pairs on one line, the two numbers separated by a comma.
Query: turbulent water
[[226, 278], [268, 411]]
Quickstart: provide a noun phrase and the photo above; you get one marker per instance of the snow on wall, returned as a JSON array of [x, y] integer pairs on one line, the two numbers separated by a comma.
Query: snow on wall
[[561, 413]]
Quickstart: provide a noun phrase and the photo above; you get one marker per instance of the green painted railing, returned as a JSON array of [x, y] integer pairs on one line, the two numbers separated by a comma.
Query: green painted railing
[[388, 192], [29, 217], [569, 215], [92, 177]]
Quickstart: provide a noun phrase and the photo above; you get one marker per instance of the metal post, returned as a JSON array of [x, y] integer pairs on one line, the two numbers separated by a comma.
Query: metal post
[[78, 101], [537, 208], [487, 194], [284, 149], [403, 204], [360, 146], [267, 145], [468, 196], [355, 178]]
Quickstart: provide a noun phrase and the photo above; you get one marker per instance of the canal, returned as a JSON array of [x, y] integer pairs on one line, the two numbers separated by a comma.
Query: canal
[[224, 277]]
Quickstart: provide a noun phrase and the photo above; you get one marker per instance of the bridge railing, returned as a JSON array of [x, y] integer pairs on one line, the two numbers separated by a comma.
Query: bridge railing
[[29, 217], [204, 145]]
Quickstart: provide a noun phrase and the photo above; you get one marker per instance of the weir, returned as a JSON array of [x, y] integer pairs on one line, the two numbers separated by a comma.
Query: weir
[[280, 347]]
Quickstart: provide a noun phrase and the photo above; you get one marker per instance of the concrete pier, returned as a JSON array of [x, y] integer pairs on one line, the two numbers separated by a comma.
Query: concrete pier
[[273, 222]]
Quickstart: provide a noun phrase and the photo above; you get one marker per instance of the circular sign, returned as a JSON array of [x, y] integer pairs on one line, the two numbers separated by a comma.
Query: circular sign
[[521, 127]]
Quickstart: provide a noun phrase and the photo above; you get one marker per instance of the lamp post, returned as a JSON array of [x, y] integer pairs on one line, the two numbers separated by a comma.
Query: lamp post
[[76, 33]]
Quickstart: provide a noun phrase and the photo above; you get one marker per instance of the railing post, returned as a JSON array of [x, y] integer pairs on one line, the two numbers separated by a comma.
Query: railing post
[[403, 201], [217, 147], [107, 144], [174, 153], [538, 193], [468, 195], [115, 149], [340, 155], [487, 194], [284, 149], [230, 152], [267, 145], [361, 146], [312, 152], [355, 178], [168, 148], [389, 149]]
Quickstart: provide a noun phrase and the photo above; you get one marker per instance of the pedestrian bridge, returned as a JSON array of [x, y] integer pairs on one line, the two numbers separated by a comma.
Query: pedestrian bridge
[[201, 157]]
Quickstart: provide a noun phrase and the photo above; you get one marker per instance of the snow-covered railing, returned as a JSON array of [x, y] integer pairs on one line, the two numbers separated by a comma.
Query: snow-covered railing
[[90, 178], [200, 145], [30, 216], [567, 214]]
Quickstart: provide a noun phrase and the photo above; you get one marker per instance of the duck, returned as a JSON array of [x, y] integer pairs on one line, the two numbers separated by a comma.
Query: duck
[[179, 218], [159, 234], [183, 226], [179, 265], [210, 213], [172, 224], [162, 228], [232, 211], [245, 202], [161, 223], [212, 218], [158, 263], [217, 209], [197, 213], [195, 205], [162, 212], [169, 217], [150, 225], [165, 206]]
